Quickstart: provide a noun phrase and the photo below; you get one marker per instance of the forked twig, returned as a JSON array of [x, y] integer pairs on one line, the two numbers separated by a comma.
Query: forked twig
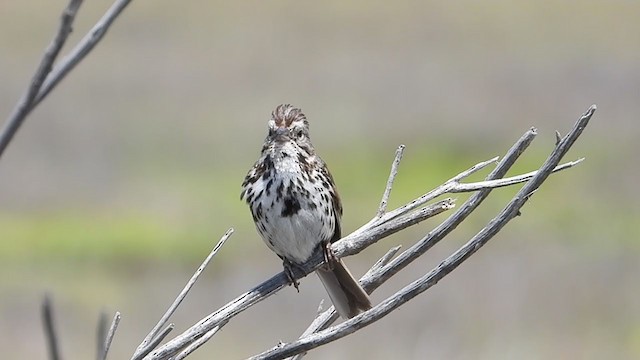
[[25, 104], [47, 76]]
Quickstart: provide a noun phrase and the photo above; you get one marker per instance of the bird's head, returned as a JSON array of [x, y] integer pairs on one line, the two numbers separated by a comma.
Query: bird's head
[[288, 125]]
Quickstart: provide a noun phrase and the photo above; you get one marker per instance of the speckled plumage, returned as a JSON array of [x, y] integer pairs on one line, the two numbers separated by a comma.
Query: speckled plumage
[[295, 204]]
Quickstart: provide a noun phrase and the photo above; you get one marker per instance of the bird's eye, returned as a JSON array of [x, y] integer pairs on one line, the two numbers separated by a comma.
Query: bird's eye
[[299, 135]]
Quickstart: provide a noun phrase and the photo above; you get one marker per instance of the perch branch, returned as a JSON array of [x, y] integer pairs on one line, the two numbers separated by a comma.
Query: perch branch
[[511, 210], [148, 343], [370, 233]]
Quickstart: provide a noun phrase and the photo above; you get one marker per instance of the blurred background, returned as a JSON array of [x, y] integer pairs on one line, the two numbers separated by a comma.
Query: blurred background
[[125, 177]]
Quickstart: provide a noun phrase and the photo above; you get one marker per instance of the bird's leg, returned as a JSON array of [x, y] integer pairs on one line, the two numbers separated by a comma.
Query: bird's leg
[[288, 270]]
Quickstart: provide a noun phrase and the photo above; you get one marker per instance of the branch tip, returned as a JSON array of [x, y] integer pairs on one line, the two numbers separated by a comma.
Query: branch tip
[[392, 176]]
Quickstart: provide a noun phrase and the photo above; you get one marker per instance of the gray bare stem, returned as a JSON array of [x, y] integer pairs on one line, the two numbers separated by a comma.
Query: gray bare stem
[[392, 176]]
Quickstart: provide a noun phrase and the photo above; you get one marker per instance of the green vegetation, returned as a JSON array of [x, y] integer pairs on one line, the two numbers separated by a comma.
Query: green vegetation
[[204, 204]]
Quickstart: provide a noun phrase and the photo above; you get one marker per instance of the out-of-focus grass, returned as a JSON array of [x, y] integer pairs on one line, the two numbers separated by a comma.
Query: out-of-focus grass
[[199, 206]]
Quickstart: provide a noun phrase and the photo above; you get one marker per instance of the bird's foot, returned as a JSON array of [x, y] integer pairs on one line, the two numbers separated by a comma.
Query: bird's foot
[[288, 270], [329, 257]]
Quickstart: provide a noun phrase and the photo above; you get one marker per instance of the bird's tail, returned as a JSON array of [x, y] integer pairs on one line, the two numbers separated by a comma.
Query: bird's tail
[[348, 297]]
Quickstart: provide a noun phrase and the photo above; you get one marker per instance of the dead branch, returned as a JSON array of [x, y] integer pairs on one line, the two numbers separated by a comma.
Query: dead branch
[[46, 76], [382, 225]]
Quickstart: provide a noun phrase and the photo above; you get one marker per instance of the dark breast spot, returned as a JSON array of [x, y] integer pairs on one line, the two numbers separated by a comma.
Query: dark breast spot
[[268, 186], [291, 207], [258, 211]]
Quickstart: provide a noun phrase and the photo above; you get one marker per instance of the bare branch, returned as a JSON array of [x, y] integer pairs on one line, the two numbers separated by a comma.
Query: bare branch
[[26, 102], [425, 282], [144, 348], [49, 329], [392, 176]]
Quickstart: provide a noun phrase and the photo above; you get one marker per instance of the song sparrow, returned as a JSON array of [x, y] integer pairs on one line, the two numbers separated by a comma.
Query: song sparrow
[[296, 207]]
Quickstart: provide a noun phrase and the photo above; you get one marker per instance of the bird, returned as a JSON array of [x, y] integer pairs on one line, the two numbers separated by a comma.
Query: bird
[[296, 207]]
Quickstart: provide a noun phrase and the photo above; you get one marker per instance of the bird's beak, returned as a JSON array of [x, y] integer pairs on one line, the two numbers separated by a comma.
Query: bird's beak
[[282, 134]]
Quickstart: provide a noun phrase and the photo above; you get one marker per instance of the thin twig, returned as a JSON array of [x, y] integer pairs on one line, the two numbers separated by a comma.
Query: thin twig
[[27, 101], [112, 332], [474, 169], [144, 346], [384, 260], [49, 329], [510, 180], [392, 176], [445, 267]]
